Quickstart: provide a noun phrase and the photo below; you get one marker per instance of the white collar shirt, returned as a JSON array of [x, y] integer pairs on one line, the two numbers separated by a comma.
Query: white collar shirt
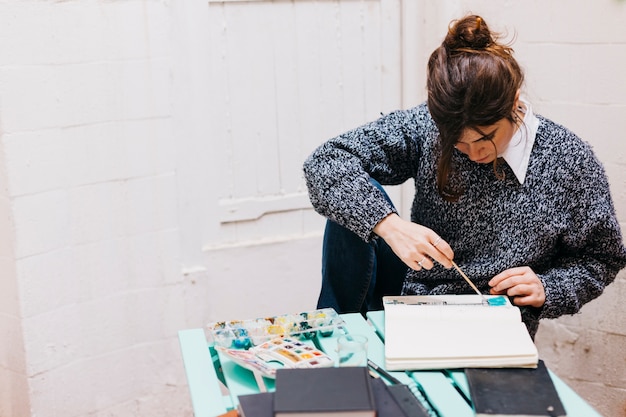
[[517, 153]]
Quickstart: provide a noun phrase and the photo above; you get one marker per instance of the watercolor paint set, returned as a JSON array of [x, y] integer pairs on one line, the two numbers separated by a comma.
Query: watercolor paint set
[[280, 352], [242, 334]]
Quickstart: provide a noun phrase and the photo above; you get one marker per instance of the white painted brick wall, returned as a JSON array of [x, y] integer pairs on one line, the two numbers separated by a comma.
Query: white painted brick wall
[[141, 92], [88, 154], [81, 215], [14, 398], [89, 161]]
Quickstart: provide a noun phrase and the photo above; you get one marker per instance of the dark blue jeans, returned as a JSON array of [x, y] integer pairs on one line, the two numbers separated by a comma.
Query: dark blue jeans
[[355, 274]]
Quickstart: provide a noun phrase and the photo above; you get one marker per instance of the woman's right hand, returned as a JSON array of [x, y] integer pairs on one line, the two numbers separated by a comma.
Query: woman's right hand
[[417, 246]]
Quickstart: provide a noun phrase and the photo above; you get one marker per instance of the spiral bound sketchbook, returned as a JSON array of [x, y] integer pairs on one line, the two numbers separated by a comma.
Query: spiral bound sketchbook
[[455, 331]]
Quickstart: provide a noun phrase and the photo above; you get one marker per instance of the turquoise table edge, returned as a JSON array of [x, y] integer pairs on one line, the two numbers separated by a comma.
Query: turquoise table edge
[[204, 387], [446, 390]]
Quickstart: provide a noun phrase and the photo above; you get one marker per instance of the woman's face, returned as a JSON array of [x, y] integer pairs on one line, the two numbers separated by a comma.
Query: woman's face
[[478, 144]]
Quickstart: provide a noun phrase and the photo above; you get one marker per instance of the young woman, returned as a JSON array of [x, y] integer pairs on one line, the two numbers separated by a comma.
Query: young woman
[[520, 203]]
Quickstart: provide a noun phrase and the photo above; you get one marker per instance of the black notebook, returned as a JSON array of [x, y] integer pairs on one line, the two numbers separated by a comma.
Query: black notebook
[[507, 392], [256, 405], [396, 400], [324, 392]]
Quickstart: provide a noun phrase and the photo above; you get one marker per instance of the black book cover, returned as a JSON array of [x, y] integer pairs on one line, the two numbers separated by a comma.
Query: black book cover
[[256, 405], [516, 392], [409, 403], [386, 405], [396, 400], [324, 392]]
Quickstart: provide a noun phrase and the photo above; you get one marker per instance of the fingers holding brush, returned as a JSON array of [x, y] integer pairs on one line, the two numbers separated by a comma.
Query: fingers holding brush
[[416, 245], [435, 250], [443, 252]]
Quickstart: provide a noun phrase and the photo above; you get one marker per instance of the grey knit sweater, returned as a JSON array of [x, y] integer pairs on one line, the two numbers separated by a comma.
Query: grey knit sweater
[[560, 222]]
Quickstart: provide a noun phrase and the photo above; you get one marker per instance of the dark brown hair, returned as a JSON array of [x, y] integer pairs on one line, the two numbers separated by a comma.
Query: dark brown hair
[[472, 81]]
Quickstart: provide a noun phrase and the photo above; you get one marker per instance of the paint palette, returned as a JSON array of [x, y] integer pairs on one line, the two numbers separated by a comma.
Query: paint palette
[[281, 352], [292, 353], [242, 334]]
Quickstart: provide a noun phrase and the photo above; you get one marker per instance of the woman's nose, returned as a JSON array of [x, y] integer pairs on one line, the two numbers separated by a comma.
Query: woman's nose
[[472, 150]]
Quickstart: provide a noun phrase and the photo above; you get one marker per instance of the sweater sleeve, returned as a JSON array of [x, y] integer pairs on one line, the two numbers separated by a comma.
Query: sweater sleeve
[[591, 251], [338, 172]]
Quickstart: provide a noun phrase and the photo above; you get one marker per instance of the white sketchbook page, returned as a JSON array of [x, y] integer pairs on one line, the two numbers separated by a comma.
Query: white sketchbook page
[[452, 339], [457, 331]]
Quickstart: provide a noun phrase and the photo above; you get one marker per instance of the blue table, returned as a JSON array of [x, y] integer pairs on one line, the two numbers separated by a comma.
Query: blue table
[[215, 381]]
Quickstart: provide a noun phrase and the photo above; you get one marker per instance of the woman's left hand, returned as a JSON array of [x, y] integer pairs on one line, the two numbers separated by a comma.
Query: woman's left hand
[[520, 283]]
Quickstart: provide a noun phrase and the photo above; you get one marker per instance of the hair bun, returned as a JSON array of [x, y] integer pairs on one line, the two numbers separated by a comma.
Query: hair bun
[[471, 32]]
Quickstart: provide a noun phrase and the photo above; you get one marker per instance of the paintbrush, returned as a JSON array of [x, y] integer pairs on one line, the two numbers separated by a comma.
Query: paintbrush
[[471, 284]]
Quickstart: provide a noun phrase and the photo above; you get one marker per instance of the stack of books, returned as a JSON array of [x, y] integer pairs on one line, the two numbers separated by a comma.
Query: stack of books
[[331, 392]]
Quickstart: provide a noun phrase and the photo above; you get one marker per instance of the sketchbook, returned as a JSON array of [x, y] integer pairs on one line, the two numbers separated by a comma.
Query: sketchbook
[[455, 331]]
